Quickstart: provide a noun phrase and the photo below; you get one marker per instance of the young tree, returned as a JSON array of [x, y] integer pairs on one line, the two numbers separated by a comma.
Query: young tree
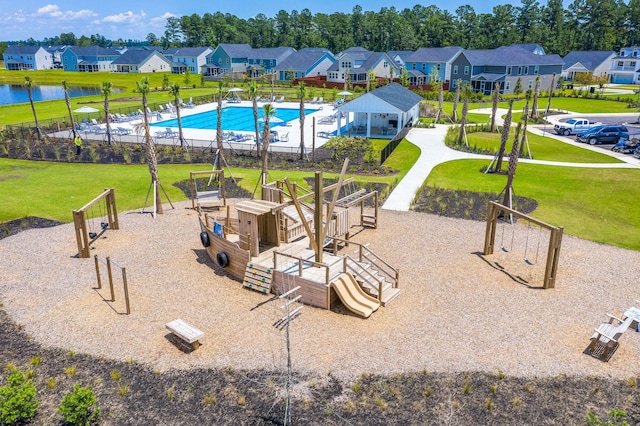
[[536, 93], [219, 123], [404, 77], [456, 100], [372, 81], [253, 95], [142, 87], [165, 82], [187, 76], [67, 100], [466, 94], [495, 97], [29, 84], [302, 93], [504, 137], [517, 89], [269, 111], [106, 91], [174, 90]]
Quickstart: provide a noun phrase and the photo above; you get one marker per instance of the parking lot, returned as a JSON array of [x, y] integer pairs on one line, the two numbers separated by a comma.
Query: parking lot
[[630, 121]]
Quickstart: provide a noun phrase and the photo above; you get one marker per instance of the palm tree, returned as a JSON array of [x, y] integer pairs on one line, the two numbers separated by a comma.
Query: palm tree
[[302, 93], [269, 111], [29, 84], [142, 87], [456, 100], [536, 93], [219, 110], [525, 118], [466, 94], [504, 137], [494, 105], [106, 91], [551, 87], [174, 90], [67, 100], [253, 95]]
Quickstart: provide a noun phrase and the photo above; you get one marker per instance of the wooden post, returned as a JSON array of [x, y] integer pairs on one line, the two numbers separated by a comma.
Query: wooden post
[[113, 295], [376, 199], [98, 271], [82, 237], [490, 230], [313, 141], [319, 196], [553, 255], [112, 210], [126, 290]]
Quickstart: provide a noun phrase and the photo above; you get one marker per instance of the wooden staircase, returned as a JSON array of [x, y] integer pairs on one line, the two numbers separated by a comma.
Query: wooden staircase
[[373, 280]]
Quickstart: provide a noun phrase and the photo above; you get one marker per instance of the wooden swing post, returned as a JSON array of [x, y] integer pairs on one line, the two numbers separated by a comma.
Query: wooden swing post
[[80, 220]]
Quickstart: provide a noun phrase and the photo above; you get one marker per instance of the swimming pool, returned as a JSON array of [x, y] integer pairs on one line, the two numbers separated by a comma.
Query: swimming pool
[[236, 118]]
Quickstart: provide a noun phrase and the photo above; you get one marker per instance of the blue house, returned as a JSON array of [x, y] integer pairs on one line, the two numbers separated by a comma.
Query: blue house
[[264, 60], [307, 62], [27, 58], [88, 59], [228, 58], [425, 63], [504, 65]]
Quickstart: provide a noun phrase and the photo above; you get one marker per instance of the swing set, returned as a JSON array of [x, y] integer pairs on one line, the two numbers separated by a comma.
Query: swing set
[[555, 239], [86, 224]]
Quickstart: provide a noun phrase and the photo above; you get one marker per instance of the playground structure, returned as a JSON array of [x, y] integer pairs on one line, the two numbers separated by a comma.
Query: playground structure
[[84, 220], [108, 263], [553, 249], [294, 231]]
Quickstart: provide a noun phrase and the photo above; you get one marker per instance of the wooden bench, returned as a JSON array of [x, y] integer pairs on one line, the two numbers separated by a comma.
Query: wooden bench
[[186, 332], [609, 333]]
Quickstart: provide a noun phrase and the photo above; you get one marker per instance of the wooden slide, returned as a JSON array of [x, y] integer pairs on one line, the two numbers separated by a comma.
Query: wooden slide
[[353, 297]]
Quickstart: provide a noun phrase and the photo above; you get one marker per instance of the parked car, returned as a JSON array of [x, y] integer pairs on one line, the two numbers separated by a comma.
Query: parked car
[[603, 134], [573, 125]]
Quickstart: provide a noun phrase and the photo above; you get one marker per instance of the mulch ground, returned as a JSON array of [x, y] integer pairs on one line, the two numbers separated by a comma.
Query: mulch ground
[[131, 393]]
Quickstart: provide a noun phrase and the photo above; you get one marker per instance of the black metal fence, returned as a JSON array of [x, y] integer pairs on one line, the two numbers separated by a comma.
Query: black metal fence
[[393, 144]]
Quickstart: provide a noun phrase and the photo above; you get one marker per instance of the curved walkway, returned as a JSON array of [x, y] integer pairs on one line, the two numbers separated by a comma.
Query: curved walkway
[[433, 151]]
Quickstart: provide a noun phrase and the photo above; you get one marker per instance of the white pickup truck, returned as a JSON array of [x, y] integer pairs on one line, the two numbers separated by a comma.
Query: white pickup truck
[[573, 126]]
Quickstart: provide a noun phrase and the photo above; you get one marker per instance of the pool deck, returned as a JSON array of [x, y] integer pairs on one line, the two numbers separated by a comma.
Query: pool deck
[[288, 134]]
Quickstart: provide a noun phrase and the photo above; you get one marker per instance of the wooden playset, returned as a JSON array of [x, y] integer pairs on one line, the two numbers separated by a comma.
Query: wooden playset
[[84, 220], [293, 231], [553, 249]]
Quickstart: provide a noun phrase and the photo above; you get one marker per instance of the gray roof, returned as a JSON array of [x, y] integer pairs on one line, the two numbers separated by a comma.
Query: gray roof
[[404, 54], [510, 55], [531, 47], [302, 60], [22, 50], [434, 54], [488, 76], [236, 50], [271, 52], [374, 58], [191, 51], [93, 51], [357, 53], [589, 59], [134, 57], [398, 96], [416, 73]]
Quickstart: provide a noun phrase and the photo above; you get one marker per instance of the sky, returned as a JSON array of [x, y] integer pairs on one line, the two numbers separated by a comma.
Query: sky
[[116, 19]]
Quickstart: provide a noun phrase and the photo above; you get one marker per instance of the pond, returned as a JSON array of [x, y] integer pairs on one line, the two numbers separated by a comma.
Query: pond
[[17, 93]]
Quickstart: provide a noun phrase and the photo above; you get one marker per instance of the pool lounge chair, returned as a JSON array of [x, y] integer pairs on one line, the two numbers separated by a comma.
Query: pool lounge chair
[[320, 100], [314, 100], [280, 99]]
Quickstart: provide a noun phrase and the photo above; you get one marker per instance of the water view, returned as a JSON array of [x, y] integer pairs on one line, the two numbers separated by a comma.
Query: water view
[[17, 93]]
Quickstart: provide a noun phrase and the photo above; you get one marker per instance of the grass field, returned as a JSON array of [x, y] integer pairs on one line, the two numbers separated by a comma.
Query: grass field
[[596, 204]]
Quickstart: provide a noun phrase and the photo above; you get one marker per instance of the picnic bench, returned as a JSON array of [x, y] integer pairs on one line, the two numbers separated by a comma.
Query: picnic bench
[[186, 332], [608, 333]]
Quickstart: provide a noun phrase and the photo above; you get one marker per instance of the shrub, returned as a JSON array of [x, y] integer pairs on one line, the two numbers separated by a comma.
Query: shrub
[[79, 406], [18, 401]]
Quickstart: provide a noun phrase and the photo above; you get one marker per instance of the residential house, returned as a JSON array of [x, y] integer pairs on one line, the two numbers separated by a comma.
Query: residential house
[[400, 56], [425, 63], [266, 59], [356, 63], [191, 58], [504, 65], [141, 61], [27, 58], [227, 58], [307, 62], [380, 113], [625, 67], [88, 59], [597, 63], [536, 49]]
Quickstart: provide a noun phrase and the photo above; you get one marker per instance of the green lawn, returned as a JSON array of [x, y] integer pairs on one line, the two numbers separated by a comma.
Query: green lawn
[[595, 204], [586, 106], [542, 148]]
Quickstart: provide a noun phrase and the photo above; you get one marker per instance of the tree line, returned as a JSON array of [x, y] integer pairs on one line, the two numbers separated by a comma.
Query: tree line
[[583, 25]]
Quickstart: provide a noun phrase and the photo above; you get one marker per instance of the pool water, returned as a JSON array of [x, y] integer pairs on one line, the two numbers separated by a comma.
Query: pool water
[[233, 118]]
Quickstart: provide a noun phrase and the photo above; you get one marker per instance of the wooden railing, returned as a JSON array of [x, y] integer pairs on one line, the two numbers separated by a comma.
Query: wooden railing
[[367, 255], [359, 271]]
